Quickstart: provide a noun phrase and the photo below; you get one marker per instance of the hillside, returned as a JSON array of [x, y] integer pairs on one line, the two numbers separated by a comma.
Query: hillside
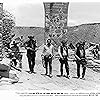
[[89, 32], [84, 32], [38, 32]]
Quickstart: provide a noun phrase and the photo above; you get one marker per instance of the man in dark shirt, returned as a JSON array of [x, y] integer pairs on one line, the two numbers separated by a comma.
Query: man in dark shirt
[[15, 52], [31, 52], [80, 53]]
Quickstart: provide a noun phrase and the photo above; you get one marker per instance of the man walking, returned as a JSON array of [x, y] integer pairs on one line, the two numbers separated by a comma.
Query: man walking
[[31, 52], [63, 52], [48, 54]]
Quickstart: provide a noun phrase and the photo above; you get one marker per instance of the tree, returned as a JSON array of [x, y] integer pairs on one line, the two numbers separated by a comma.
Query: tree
[[8, 24]]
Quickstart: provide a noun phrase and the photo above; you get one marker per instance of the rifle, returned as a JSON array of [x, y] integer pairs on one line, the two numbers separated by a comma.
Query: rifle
[[32, 49], [18, 69], [16, 52], [80, 60], [83, 60], [43, 62]]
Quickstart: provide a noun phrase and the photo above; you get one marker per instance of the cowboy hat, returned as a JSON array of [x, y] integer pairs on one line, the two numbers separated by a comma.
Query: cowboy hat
[[64, 41], [30, 36], [14, 43]]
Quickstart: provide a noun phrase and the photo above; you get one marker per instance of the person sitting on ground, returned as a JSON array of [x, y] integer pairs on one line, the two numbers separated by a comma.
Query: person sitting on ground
[[15, 52]]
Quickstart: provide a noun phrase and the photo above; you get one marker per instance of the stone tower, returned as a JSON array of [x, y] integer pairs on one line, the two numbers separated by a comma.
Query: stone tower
[[56, 16], [1, 15]]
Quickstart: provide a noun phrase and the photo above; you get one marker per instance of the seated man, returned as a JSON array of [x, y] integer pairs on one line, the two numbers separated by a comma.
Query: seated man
[[15, 53]]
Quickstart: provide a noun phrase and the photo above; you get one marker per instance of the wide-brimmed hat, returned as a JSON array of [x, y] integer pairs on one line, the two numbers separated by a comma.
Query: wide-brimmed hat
[[64, 41], [78, 44], [30, 37], [81, 42], [14, 43], [48, 40]]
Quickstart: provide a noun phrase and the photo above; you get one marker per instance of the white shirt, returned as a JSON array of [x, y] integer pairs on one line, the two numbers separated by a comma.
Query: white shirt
[[64, 51], [81, 53], [48, 50]]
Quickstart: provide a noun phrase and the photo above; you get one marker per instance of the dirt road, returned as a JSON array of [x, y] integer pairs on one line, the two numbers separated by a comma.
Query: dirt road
[[40, 82]]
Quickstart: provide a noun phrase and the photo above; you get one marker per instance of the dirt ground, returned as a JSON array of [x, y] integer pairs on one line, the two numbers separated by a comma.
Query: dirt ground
[[38, 81]]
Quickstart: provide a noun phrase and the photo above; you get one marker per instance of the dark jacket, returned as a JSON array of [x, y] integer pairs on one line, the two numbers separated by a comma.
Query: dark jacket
[[79, 54], [31, 44], [61, 50], [82, 57]]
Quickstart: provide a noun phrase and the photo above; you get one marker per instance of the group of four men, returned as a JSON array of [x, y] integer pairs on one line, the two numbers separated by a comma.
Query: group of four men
[[48, 54]]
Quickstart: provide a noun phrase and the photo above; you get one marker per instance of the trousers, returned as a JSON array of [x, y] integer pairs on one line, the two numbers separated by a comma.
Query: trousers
[[78, 69], [62, 62], [48, 64], [31, 62]]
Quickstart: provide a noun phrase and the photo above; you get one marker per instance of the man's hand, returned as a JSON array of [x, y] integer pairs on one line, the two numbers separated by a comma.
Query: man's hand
[[29, 48], [61, 57]]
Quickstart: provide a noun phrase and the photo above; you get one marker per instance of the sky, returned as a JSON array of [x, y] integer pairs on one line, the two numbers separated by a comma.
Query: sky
[[30, 13]]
